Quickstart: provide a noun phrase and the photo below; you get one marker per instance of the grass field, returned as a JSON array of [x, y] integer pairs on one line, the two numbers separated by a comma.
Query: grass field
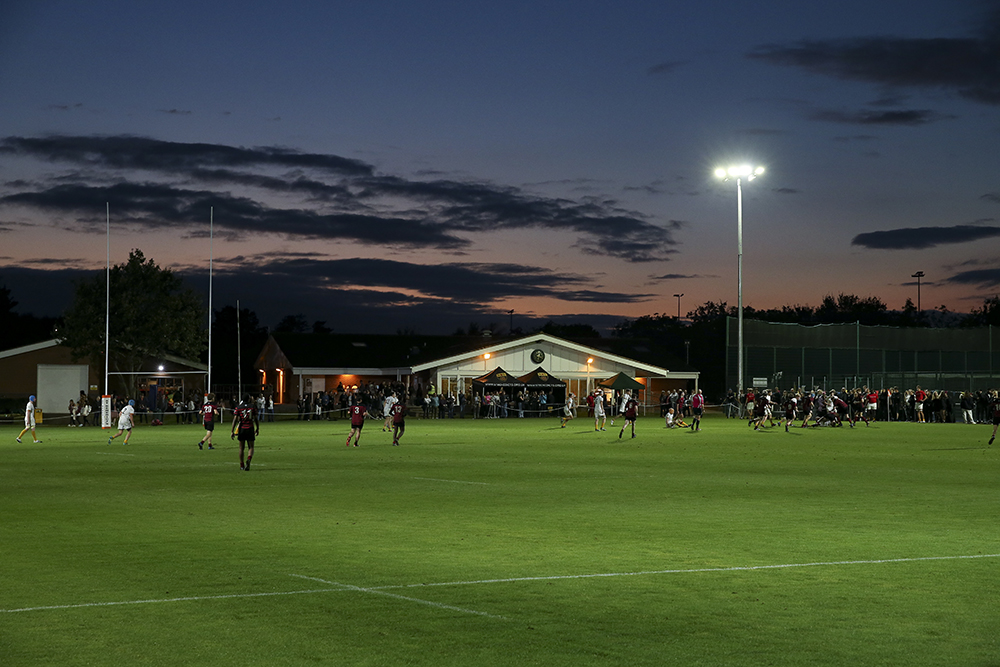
[[503, 542]]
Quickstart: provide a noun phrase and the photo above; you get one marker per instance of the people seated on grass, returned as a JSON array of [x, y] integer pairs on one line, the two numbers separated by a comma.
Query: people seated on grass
[[673, 420]]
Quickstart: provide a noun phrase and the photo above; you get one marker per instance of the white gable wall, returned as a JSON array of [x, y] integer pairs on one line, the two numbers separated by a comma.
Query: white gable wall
[[565, 363]]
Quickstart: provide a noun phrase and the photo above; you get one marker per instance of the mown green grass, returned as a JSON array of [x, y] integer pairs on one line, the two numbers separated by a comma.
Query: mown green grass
[[481, 542]]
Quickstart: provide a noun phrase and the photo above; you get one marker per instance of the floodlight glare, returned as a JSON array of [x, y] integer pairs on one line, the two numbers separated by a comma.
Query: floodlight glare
[[720, 173]]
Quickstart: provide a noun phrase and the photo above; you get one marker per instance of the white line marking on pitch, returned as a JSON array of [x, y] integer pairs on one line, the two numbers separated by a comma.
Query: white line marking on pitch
[[451, 481], [745, 568], [381, 590], [398, 597], [193, 598]]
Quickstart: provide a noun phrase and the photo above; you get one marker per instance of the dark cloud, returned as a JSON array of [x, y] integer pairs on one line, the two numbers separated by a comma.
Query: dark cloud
[[142, 153], [984, 278], [329, 197], [786, 191], [352, 295], [968, 67], [924, 237], [459, 282], [897, 117], [992, 196]]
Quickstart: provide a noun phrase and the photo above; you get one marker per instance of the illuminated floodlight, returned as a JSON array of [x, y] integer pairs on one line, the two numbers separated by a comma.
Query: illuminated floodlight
[[747, 171], [739, 172]]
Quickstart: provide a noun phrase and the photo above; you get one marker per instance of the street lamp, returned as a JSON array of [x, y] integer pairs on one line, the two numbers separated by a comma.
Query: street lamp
[[679, 305], [918, 275], [739, 172]]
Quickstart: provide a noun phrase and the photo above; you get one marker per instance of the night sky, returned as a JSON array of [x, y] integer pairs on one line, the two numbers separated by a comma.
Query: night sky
[[389, 166]]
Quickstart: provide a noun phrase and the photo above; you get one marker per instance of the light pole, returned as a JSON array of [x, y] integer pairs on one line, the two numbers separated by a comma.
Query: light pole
[[918, 275], [511, 313], [740, 172], [678, 305]]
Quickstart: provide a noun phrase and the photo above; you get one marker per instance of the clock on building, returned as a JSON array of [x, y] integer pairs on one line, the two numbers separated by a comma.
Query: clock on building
[[537, 356]]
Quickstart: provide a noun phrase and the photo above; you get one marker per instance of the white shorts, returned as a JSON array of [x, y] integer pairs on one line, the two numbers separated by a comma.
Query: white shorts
[[598, 412], [124, 425]]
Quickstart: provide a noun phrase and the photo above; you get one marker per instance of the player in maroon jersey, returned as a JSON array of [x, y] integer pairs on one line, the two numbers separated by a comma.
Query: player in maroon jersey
[[631, 413], [247, 426], [842, 410], [791, 400], [807, 408], [358, 415], [398, 413], [210, 414]]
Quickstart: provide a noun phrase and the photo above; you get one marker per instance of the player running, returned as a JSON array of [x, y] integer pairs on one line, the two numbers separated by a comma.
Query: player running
[[247, 426], [29, 421], [210, 412], [126, 420], [569, 410], [871, 406], [390, 402], [398, 422], [631, 413], [358, 415]]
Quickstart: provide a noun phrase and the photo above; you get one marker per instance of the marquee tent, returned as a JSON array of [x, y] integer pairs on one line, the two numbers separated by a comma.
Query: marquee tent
[[498, 377], [621, 381], [540, 379]]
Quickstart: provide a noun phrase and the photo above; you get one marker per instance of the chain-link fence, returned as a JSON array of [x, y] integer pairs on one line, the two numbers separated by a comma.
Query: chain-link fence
[[853, 355]]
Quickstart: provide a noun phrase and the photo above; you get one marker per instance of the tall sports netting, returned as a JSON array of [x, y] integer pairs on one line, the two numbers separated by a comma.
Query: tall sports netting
[[852, 355]]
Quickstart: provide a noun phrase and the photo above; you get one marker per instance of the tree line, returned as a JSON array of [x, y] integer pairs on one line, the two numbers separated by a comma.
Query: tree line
[[153, 314]]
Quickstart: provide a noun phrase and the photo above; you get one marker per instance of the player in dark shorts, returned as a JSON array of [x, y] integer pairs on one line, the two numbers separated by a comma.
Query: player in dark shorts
[[843, 411], [398, 414], [358, 415], [247, 427], [995, 404], [210, 412], [807, 409], [697, 409], [631, 413], [790, 401]]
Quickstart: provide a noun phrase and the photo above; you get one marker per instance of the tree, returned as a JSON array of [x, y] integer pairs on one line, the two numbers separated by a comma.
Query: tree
[[152, 314], [989, 314], [293, 324]]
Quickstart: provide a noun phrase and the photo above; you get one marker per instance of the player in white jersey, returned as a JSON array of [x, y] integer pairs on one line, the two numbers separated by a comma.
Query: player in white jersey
[[390, 401], [125, 422], [29, 420], [569, 410], [599, 417]]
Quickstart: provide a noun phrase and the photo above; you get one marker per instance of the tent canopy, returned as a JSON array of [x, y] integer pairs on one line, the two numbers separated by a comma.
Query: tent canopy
[[540, 379], [498, 377], [621, 381]]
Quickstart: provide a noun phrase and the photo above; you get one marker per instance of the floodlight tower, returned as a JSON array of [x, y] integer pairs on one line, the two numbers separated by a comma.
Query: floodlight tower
[[679, 305], [918, 275], [739, 172]]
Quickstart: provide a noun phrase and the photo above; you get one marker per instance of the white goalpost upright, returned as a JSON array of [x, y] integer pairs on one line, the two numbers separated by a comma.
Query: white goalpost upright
[[106, 396], [211, 257]]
